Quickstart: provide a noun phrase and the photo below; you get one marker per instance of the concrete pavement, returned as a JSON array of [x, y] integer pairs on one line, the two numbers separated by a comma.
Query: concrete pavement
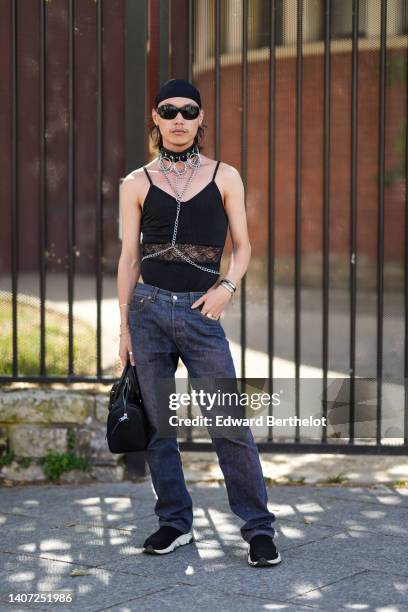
[[343, 548]]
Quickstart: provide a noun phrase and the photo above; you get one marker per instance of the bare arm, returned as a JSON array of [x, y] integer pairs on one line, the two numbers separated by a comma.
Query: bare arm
[[129, 260], [234, 196], [218, 296]]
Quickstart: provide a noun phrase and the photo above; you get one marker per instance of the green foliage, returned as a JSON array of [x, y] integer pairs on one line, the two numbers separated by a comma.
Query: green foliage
[[401, 141], [7, 458], [54, 464], [396, 70], [400, 484], [269, 481], [24, 462], [56, 340], [71, 440], [291, 480], [335, 479]]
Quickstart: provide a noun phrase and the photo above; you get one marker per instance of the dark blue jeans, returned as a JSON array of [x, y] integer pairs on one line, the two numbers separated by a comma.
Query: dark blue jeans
[[165, 328]]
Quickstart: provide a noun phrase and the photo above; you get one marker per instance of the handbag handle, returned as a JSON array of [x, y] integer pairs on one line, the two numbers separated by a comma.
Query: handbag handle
[[133, 380], [125, 392]]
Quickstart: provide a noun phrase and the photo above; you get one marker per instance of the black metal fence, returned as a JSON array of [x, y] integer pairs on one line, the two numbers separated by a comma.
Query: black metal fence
[[239, 52]]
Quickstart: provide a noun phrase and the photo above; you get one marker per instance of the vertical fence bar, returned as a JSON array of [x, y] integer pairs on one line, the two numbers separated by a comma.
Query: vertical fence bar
[[217, 75], [99, 178], [406, 261], [14, 185], [326, 206], [191, 13], [244, 151], [190, 40], [42, 210], [137, 93], [178, 39], [380, 219], [298, 204], [136, 83], [164, 41], [153, 64], [353, 213], [271, 207], [190, 51], [70, 187]]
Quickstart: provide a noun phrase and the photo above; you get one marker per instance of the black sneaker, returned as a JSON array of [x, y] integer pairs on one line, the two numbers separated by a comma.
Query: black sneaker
[[165, 540], [262, 551]]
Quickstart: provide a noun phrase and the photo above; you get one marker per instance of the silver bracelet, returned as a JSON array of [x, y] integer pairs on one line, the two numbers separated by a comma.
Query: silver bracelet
[[227, 287], [228, 283], [227, 280]]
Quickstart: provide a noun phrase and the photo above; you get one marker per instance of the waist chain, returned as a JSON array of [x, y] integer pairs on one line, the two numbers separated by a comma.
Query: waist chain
[[211, 252]]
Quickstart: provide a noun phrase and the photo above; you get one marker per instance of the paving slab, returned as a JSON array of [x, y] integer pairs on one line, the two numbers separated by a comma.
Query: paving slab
[[180, 599], [88, 544], [368, 590], [21, 573], [346, 513], [97, 589], [385, 551], [314, 565], [111, 505]]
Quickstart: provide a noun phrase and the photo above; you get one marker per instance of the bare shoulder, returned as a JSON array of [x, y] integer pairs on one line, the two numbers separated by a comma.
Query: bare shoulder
[[229, 175], [134, 179], [134, 185], [228, 171], [231, 181]]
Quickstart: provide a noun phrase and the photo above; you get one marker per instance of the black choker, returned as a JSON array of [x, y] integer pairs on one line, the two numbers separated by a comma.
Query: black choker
[[179, 155]]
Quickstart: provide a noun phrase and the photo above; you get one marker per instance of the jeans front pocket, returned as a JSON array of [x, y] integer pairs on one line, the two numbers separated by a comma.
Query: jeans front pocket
[[138, 304], [204, 316]]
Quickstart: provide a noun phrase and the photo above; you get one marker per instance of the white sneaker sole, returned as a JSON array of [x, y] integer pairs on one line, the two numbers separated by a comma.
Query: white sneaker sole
[[185, 538], [264, 562]]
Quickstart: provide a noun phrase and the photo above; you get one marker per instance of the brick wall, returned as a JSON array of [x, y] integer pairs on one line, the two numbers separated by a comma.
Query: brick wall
[[312, 152]]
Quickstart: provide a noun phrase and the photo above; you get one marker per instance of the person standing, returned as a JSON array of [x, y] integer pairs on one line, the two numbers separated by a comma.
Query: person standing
[[183, 203]]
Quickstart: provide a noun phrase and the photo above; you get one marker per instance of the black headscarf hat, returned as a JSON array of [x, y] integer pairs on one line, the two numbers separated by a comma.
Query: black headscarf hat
[[178, 88]]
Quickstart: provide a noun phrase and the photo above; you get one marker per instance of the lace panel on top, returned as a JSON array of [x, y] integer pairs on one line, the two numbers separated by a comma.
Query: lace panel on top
[[196, 252]]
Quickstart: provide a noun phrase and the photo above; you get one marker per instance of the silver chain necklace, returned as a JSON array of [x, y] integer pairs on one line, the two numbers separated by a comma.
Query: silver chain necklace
[[166, 166]]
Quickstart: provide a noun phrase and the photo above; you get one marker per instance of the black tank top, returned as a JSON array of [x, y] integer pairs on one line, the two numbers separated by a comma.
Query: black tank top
[[201, 234]]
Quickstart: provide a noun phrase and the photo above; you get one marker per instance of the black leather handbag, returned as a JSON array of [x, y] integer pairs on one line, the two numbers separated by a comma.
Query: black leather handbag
[[127, 425]]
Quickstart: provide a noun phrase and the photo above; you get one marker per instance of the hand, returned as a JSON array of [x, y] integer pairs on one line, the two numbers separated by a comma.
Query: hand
[[214, 301], [125, 348]]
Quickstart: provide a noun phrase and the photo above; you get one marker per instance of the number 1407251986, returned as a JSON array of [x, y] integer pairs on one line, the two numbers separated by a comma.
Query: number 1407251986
[[45, 597]]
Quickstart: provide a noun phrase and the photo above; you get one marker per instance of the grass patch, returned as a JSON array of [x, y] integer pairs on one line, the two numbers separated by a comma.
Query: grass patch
[[270, 481], [400, 484], [56, 340], [335, 479], [295, 481]]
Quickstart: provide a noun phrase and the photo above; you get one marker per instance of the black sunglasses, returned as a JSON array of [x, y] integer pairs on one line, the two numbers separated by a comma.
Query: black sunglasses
[[169, 111]]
